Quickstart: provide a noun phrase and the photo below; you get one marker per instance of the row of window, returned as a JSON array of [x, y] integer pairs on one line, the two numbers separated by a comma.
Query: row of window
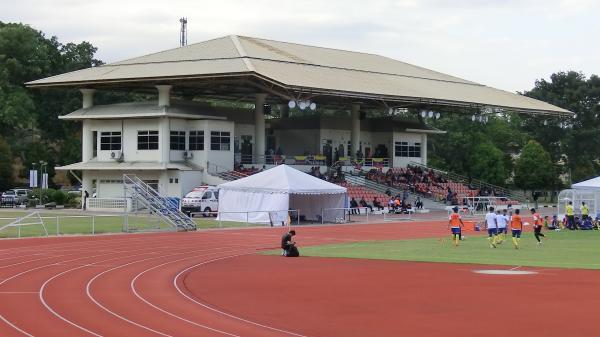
[[407, 149], [148, 140]]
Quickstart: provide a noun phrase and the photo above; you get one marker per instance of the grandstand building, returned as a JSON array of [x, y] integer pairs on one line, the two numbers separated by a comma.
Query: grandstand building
[[240, 101]]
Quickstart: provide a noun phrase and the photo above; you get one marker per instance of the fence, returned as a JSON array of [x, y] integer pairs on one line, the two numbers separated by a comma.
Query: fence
[[362, 214], [60, 225], [246, 219], [109, 204]]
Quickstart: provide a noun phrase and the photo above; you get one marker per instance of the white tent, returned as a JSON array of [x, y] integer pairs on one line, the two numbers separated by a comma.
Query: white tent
[[591, 184], [267, 196]]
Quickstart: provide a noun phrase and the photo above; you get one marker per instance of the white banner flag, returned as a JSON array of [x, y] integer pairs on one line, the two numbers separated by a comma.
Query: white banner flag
[[33, 178], [45, 180]]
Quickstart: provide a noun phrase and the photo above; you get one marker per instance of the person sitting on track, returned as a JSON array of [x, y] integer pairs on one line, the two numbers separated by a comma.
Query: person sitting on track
[[289, 246]]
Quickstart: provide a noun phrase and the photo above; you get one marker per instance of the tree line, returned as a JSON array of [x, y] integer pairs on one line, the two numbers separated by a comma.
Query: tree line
[[515, 150]]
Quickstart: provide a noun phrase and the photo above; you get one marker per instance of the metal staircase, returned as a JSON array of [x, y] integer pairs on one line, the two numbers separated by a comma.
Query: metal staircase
[[167, 209]]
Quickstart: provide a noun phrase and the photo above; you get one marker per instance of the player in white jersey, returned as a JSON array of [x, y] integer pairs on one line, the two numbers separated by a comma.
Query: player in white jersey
[[492, 227], [502, 221]]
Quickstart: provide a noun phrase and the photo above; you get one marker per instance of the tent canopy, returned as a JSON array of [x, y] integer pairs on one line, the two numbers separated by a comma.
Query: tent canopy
[[266, 197], [593, 183], [283, 179]]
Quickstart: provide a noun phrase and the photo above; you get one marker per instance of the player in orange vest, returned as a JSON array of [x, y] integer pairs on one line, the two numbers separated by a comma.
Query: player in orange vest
[[516, 227], [537, 226], [455, 223]]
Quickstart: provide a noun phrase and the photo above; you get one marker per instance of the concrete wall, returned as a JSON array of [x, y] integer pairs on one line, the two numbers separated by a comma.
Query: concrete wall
[[411, 138]]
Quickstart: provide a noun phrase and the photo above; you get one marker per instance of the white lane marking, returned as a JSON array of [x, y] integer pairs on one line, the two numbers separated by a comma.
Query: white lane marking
[[222, 312], [88, 292], [132, 286]]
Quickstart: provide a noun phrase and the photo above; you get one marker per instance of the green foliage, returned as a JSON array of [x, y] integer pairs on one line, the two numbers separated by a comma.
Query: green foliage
[[579, 146], [487, 163], [59, 197], [6, 166], [534, 169]]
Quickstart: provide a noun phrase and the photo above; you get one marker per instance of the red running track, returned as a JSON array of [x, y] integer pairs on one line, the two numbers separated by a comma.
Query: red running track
[[213, 284]]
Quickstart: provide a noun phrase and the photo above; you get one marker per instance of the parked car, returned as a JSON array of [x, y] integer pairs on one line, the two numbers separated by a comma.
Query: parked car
[[8, 199], [202, 199]]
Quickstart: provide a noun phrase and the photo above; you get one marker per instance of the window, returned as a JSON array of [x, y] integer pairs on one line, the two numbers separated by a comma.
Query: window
[[407, 149], [196, 140], [110, 141], [219, 140], [148, 140], [207, 195], [178, 140]]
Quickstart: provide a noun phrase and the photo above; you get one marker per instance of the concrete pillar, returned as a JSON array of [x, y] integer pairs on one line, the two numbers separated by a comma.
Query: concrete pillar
[[164, 138], [424, 149], [87, 142], [88, 97], [164, 95], [355, 132], [285, 111], [259, 127]]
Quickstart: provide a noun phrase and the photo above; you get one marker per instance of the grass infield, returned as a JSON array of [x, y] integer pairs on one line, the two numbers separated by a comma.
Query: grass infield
[[564, 249]]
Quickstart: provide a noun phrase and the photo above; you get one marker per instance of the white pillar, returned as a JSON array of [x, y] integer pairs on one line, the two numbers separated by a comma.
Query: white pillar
[[424, 149], [164, 95], [259, 126], [164, 135], [355, 133], [88, 97], [87, 142]]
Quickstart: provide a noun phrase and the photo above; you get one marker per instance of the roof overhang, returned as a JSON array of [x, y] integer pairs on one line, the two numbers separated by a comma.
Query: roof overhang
[[127, 166]]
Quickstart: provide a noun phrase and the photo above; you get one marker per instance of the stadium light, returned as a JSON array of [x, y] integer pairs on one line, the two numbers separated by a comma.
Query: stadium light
[[313, 106], [431, 113], [473, 118], [292, 104], [302, 105], [423, 113], [438, 115], [545, 122]]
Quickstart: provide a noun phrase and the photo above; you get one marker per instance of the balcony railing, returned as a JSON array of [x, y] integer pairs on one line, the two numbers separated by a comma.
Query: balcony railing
[[310, 160]]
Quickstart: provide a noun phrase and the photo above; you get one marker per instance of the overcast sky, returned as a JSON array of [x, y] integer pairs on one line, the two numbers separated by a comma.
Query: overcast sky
[[506, 44]]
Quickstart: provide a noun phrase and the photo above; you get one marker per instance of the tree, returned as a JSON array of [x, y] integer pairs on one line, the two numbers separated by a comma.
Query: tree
[[534, 168], [487, 164], [6, 166], [579, 145]]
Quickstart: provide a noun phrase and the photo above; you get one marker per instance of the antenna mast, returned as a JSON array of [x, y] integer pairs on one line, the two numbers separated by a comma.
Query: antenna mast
[[183, 32]]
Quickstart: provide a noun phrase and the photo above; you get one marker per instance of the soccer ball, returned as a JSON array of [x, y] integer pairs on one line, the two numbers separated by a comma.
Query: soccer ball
[[463, 237], [526, 224]]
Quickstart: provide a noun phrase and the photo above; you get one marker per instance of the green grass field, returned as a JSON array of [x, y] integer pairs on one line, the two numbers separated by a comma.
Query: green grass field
[[565, 249], [65, 223]]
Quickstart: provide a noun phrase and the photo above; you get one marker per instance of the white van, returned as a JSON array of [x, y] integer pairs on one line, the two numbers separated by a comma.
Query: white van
[[202, 199]]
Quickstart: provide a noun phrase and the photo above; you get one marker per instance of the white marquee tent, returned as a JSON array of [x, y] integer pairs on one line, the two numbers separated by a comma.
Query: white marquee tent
[[267, 196], [587, 191]]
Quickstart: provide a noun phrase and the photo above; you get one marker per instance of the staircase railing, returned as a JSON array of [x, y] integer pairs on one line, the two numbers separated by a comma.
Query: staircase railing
[[519, 196], [166, 208]]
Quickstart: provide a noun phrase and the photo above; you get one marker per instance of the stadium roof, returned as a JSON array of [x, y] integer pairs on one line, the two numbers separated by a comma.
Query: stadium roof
[[237, 66]]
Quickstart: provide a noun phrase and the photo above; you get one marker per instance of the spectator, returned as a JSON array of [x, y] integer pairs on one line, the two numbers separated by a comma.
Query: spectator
[[363, 203], [377, 204], [354, 206], [419, 203]]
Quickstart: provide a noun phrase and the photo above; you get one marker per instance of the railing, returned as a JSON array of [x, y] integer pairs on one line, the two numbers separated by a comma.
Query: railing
[[164, 207], [371, 214], [108, 204], [474, 182], [311, 160], [60, 225], [224, 172], [248, 218]]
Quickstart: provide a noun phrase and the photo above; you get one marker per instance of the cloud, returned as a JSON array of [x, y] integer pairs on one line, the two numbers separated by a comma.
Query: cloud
[[503, 43]]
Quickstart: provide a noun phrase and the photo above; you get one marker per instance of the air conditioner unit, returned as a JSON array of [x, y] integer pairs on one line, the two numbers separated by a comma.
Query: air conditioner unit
[[116, 155], [188, 155]]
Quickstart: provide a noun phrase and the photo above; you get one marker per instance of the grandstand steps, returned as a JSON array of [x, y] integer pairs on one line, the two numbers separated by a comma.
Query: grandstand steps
[[355, 180]]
